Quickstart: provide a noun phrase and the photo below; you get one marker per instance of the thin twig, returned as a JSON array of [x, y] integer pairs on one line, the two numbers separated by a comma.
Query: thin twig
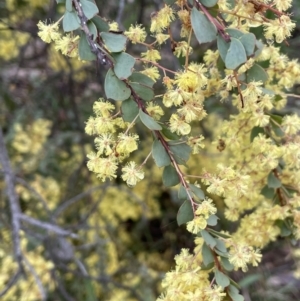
[[239, 88], [44, 225], [292, 95], [11, 282], [37, 279], [157, 65], [61, 287], [176, 166], [13, 200], [76, 198], [31, 189], [120, 12]]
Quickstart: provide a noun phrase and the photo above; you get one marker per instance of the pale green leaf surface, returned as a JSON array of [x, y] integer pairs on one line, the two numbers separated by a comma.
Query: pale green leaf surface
[[259, 48], [256, 73], [141, 78], [226, 264], [100, 24], [223, 47], [69, 6], [267, 192], [198, 192], [181, 152], [221, 245], [236, 55], [185, 213], [114, 42], [114, 88], [204, 30], [144, 92], [212, 220], [234, 33], [168, 134], [273, 181], [89, 8], [182, 194], [129, 109], [207, 254], [234, 294], [70, 21], [210, 240], [84, 49], [248, 40], [170, 177], [221, 279], [160, 155], [93, 29], [149, 122], [124, 63], [209, 3]]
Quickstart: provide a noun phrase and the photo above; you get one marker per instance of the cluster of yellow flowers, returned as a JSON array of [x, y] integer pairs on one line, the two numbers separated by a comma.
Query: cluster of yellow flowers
[[67, 44], [203, 212], [112, 149]]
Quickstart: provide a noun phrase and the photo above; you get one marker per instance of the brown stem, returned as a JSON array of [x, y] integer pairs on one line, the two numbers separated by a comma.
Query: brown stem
[[176, 166], [100, 53], [239, 88], [156, 64], [279, 192], [164, 143], [261, 8], [220, 28]]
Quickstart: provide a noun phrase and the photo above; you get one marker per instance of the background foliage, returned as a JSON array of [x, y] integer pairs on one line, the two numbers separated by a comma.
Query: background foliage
[[83, 239]]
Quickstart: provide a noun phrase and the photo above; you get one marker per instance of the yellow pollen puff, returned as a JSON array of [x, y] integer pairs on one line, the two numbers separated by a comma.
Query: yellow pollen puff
[[127, 143], [155, 111], [48, 33], [161, 38], [168, 82], [196, 144], [103, 108], [280, 28], [185, 19], [187, 81], [175, 97], [136, 34], [178, 125], [152, 72], [206, 208], [104, 144], [68, 45], [197, 224], [162, 19], [113, 26], [131, 174], [183, 49], [103, 167], [291, 124], [152, 55], [192, 110], [283, 5]]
